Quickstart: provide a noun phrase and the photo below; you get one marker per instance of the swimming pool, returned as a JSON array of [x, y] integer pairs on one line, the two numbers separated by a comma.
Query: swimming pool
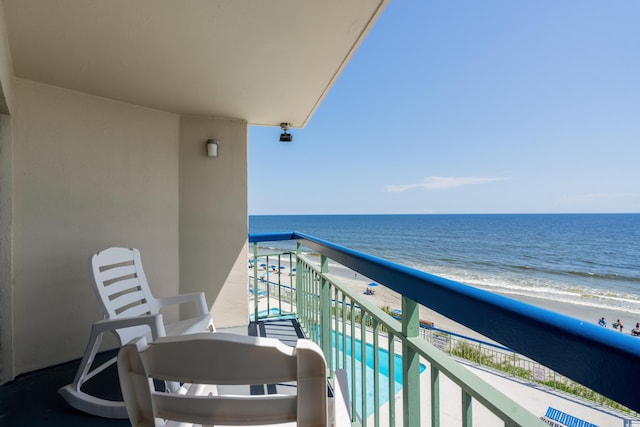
[[383, 360]]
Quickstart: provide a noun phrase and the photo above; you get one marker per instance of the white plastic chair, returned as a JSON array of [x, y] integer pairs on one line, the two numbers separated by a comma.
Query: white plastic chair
[[130, 311], [204, 361]]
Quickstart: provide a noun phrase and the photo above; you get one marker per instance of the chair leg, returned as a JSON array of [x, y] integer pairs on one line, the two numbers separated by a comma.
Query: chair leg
[[85, 402]]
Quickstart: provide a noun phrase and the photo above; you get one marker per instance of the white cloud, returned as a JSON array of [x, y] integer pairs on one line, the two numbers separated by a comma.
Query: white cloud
[[442, 183]]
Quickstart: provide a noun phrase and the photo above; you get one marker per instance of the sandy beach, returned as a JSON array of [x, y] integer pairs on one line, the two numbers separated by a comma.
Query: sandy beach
[[384, 296]]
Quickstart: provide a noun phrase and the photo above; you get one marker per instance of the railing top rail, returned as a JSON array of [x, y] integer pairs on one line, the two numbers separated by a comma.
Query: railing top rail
[[599, 358], [270, 237]]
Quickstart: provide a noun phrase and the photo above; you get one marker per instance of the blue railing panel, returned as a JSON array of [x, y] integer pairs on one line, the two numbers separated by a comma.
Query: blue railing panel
[[606, 362]]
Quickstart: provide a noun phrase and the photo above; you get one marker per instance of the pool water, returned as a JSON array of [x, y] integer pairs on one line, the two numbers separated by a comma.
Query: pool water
[[383, 380], [383, 360]]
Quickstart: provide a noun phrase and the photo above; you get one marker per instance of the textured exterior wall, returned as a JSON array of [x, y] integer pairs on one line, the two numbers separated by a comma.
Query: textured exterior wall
[[88, 173], [213, 216], [6, 67], [6, 210], [6, 248]]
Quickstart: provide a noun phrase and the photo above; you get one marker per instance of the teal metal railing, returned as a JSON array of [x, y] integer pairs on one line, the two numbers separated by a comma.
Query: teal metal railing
[[355, 334], [270, 282], [329, 310], [352, 333]]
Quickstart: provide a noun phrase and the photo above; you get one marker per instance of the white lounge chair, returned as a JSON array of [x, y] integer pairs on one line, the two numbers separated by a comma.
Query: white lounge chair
[[130, 311], [205, 361]]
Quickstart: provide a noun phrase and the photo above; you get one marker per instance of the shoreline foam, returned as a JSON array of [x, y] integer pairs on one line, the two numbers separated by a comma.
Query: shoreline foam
[[386, 297]]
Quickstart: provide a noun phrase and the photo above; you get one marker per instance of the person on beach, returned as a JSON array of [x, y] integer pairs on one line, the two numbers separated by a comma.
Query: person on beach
[[618, 324], [636, 331], [602, 322]]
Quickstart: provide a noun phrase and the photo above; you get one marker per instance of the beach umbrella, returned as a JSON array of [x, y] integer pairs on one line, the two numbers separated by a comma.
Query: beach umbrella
[[372, 284], [282, 267]]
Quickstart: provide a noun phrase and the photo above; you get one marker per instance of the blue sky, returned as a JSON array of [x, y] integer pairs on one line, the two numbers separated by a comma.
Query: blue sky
[[470, 107]]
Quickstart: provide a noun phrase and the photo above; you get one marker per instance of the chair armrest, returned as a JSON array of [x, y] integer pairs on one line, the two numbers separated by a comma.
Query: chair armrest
[[197, 297], [154, 321]]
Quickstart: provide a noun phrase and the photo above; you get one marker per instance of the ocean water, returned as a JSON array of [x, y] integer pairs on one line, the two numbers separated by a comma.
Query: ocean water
[[591, 260]]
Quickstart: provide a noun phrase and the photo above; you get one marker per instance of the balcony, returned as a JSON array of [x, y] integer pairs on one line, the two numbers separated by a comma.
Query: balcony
[[430, 386], [434, 383]]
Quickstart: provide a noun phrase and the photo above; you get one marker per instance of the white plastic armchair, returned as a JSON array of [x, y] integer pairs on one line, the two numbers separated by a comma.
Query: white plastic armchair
[[205, 361], [130, 311]]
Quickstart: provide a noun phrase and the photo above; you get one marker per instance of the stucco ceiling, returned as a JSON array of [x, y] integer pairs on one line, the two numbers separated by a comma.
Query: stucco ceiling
[[264, 61]]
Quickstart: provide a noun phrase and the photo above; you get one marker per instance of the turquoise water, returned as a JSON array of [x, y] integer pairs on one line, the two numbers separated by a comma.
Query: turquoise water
[[383, 360]]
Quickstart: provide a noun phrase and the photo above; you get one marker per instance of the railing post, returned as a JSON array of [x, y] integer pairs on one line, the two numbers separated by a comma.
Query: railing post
[[410, 364], [279, 273], [300, 274], [352, 345], [467, 414], [376, 370], [392, 376], [255, 282], [435, 397], [291, 294], [325, 313]]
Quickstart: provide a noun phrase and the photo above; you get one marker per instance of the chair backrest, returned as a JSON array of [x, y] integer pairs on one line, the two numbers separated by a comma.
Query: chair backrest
[[122, 288], [223, 359]]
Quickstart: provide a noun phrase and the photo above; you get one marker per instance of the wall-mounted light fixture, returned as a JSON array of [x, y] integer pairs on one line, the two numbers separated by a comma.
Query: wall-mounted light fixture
[[285, 137], [212, 147]]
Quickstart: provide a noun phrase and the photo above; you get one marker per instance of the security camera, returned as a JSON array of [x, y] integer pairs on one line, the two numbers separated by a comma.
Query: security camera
[[285, 136]]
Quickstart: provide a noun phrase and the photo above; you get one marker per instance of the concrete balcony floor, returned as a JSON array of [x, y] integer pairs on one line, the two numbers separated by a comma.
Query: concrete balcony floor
[[32, 399]]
